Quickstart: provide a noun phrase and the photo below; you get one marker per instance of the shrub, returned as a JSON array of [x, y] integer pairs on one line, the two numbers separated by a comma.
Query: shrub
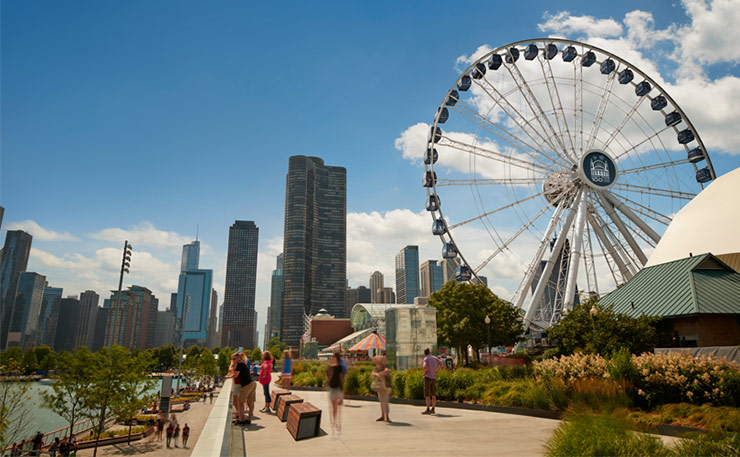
[[709, 444], [589, 435], [398, 384], [352, 382], [414, 386], [622, 367]]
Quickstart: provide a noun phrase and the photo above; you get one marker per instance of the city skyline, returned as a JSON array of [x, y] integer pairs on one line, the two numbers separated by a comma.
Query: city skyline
[[79, 250]]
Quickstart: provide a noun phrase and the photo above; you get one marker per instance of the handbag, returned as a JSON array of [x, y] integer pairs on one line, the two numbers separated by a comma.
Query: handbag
[[377, 385]]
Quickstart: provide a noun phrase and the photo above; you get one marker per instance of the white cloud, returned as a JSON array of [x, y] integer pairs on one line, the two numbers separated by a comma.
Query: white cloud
[[563, 23], [40, 233], [713, 34], [143, 234]]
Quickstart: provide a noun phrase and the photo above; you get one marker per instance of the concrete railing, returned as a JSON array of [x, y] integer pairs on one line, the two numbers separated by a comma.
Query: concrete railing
[[215, 438]]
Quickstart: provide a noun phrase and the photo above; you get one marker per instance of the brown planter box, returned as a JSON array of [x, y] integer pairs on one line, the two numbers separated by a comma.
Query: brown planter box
[[115, 439], [276, 394], [285, 402], [304, 421]]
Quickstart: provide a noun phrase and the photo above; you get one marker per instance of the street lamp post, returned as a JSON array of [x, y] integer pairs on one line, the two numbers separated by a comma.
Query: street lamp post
[[185, 310], [488, 326], [125, 265]]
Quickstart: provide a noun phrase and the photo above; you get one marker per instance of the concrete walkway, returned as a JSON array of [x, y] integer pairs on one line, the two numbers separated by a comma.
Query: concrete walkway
[[195, 418], [451, 432]]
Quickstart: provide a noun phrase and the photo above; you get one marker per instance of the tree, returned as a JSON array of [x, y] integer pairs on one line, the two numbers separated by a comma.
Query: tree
[[256, 354], [46, 357], [166, 357], [120, 383], [16, 408], [74, 380], [276, 347], [207, 367], [461, 312], [30, 362], [604, 333], [12, 357], [224, 360]]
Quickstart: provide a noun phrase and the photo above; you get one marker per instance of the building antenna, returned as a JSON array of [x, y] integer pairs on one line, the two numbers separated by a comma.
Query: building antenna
[[197, 228]]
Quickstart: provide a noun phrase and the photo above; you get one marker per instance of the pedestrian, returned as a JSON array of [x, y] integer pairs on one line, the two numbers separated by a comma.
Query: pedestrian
[[265, 377], [73, 444], [335, 381], [431, 366], [211, 396], [382, 386], [170, 432], [246, 392], [160, 427], [64, 448], [185, 435], [287, 374], [54, 447], [38, 441], [177, 434], [15, 451]]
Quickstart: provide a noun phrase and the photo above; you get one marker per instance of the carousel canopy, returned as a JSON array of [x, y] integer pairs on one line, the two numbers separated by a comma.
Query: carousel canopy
[[372, 341]]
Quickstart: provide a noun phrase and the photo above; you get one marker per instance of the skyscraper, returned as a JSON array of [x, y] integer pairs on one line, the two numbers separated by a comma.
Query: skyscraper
[[432, 277], [129, 319], [386, 295], [407, 275], [101, 321], [353, 296], [50, 304], [24, 321], [88, 317], [449, 269], [69, 320], [190, 256], [376, 282], [194, 285], [213, 321], [276, 300], [314, 243], [15, 260], [239, 290]]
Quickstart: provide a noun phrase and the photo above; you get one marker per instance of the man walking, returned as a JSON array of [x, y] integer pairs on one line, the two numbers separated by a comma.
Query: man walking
[[431, 366]]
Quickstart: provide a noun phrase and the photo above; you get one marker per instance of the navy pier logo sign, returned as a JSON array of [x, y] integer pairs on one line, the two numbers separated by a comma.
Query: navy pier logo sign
[[598, 169]]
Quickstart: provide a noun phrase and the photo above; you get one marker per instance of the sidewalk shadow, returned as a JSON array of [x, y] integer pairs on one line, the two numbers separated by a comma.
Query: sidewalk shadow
[[352, 406], [446, 415], [400, 424], [135, 448]]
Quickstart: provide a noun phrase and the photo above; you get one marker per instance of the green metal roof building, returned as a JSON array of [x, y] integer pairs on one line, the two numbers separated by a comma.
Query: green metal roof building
[[698, 298]]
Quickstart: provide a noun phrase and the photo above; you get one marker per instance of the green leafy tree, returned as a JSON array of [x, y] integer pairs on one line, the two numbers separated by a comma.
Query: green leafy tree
[[224, 360], [12, 357], [120, 380], [276, 347], [73, 381], [46, 357], [602, 333], [166, 357], [461, 312], [30, 362], [207, 366], [256, 354]]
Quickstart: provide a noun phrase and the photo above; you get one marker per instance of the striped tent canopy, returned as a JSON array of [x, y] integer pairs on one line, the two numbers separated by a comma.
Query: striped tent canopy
[[372, 341]]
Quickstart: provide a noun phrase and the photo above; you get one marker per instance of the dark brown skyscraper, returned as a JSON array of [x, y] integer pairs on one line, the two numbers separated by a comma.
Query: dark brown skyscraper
[[241, 279], [315, 243]]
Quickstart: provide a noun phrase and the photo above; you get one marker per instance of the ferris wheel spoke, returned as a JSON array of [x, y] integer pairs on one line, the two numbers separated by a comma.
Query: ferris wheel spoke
[[606, 243], [485, 182], [627, 211], [575, 254], [578, 102], [536, 108], [557, 104], [656, 166], [488, 213], [616, 276], [655, 191], [491, 154], [648, 138], [518, 118], [589, 263], [505, 134], [508, 242], [539, 290], [645, 210], [603, 102], [622, 227], [624, 121]]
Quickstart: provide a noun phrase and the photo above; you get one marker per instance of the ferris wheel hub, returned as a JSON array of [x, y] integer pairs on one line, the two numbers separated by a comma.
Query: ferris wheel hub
[[558, 182], [597, 169]]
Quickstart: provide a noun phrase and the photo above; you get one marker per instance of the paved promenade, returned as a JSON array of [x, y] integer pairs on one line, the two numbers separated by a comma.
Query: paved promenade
[[451, 432]]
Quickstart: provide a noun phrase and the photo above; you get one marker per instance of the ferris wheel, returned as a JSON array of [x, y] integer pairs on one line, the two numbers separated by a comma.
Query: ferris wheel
[[556, 165]]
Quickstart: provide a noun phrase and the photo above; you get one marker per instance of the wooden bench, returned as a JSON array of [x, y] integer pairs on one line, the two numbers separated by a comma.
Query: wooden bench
[[285, 402], [304, 420], [276, 394]]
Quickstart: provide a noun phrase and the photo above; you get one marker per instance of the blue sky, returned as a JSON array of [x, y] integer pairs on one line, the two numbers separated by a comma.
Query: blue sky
[[147, 119]]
